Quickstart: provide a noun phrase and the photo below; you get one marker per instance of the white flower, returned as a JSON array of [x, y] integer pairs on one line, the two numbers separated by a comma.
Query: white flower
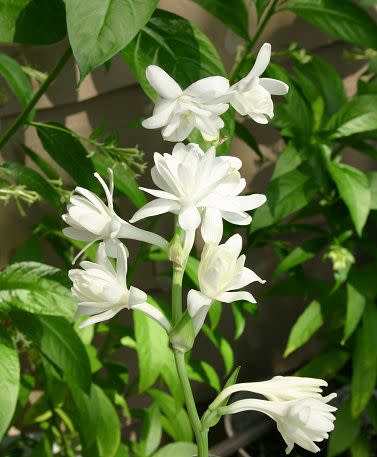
[[221, 271], [304, 421], [89, 219], [180, 111], [199, 187], [102, 290], [252, 95]]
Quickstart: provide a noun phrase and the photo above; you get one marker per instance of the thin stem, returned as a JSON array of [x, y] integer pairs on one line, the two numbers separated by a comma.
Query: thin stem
[[21, 119], [250, 44], [201, 436]]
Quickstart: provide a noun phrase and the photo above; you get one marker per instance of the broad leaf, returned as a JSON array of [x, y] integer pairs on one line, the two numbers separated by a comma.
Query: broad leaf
[[9, 381], [99, 432], [288, 160], [324, 366], [36, 288], [56, 339], [32, 21], [234, 14], [356, 302], [305, 327], [108, 26], [201, 371], [151, 430], [13, 74], [177, 449], [344, 20]]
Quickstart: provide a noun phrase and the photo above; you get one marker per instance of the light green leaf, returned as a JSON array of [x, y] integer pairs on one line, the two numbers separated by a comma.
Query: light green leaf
[[305, 327], [234, 14], [344, 20], [346, 430], [13, 74], [222, 346], [372, 176], [56, 339], [152, 349], [353, 187], [99, 432], [36, 288], [32, 21], [201, 371], [151, 430], [32, 180], [356, 302], [324, 366], [9, 381], [356, 116], [364, 374], [108, 27], [177, 449], [288, 160]]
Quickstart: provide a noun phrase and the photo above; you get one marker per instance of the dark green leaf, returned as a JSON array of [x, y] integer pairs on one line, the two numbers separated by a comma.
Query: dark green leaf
[[32, 180], [201, 371], [69, 153], [43, 448], [97, 422], [372, 176], [356, 302], [344, 20], [247, 137], [9, 381], [32, 21], [29, 251], [305, 327], [56, 339], [34, 287], [177, 449], [324, 366], [261, 6], [234, 14], [13, 74], [364, 373], [43, 165], [108, 27], [222, 346]]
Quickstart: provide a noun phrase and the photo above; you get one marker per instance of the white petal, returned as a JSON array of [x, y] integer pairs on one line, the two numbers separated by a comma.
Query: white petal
[[111, 246], [161, 114], [108, 192], [153, 313], [208, 88], [106, 315], [196, 301], [208, 127], [259, 118], [274, 86], [234, 244], [189, 218], [199, 318], [249, 202], [159, 193], [134, 233], [101, 259], [261, 62], [247, 277], [155, 207], [230, 297], [162, 83], [182, 131], [77, 234], [96, 201], [212, 225], [121, 264], [237, 218], [137, 296]]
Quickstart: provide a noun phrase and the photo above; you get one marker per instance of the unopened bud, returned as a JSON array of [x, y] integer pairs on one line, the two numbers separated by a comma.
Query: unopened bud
[[176, 254]]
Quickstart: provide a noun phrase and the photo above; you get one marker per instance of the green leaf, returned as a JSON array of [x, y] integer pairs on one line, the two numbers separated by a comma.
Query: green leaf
[[13, 74], [285, 195], [152, 348], [56, 339], [29, 251], [301, 254], [305, 327], [201, 371], [177, 449], [356, 302], [324, 366], [43, 165], [344, 20], [360, 447], [32, 21], [32, 180], [288, 160], [108, 27], [36, 288], [345, 432], [9, 381], [356, 116], [234, 14], [214, 314], [97, 422], [239, 309], [260, 6], [222, 346], [43, 448], [353, 187], [68, 152], [246, 136], [364, 373], [372, 176], [170, 376], [151, 430]]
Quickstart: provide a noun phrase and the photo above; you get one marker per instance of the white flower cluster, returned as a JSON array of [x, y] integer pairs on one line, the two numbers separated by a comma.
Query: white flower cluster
[[179, 111], [202, 190]]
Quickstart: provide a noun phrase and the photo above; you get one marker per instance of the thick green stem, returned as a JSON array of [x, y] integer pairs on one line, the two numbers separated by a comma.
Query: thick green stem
[[22, 118], [200, 435], [250, 44]]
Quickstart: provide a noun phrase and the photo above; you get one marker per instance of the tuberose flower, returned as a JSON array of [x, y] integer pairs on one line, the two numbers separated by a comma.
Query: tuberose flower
[[102, 290], [305, 421], [179, 111], [252, 95], [199, 187], [90, 220], [221, 271]]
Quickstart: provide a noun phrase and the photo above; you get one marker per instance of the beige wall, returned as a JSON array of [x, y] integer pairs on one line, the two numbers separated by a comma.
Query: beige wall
[[115, 97]]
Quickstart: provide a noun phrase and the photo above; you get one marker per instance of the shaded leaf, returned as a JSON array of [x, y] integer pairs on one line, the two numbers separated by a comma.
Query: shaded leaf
[[13, 74], [201, 371]]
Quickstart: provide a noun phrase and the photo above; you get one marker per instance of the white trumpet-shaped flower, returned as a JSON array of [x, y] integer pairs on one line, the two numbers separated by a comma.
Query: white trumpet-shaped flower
[[180, 111], [221, 271], [90, 220], [305, 421], [252, 95], [200, 188], [102, 290]]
